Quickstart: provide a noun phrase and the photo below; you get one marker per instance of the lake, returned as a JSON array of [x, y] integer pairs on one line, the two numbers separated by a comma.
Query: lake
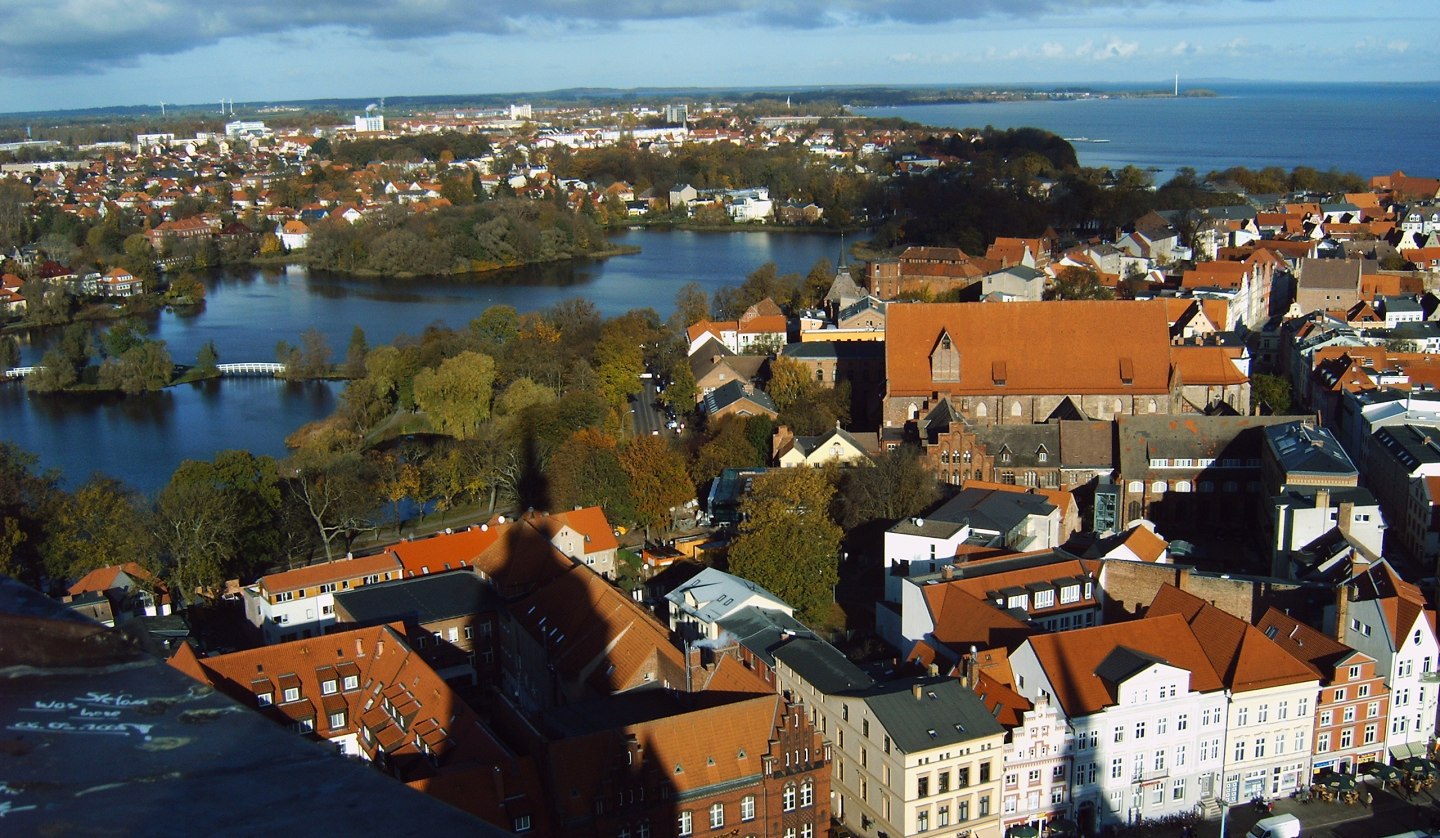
[[1368, 129], [141, 439]]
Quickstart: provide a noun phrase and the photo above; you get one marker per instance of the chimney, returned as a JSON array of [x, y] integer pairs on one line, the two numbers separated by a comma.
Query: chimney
[[1344, 515], [947, 572], [915, 690], [780, 439], [1322, 501], [1343, 595]]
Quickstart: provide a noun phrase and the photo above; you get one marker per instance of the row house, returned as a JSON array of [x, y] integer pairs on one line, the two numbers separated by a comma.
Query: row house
[[1403, 465], [910, 756], [300, 603], [1353, 706], [762, 326], [1383, 616], [760, 769], [1145, 710], [1247, 284], [1270, 709], [1054, 454], [1036, 788]]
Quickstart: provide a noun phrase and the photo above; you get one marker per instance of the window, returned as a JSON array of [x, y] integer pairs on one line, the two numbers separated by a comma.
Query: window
[[1179, 756], [1117, 768], [1119, 734], [306, 725], [1263, 715], [1349, 714], [1260, 747], [328, 687], [747, 808], [1347, 737], [1369, 737], [962, 810], [1363, 690], [1177, 789], [865, 727], [453, 634], [265, 699], [923, 789], [1058, 772], [337, 719], [1139, 730], [1326, 717], [1182, 721], [807, 830], [984, 773], [922, 821], [1160, 760], [984, 805], [942, 816], [1069, 594], [352, 682], [1161, 725], [1284, 711], [807, 793], [1033, 777], [1340, 694], [1322, 743], [522, 823], [788, 798], [1354, 672], [1372, 709], [943, 785], [1304, 709], [1239, 750], [1242, 718], [1044, 599], [717, 815], [292, 694], [686, 824]]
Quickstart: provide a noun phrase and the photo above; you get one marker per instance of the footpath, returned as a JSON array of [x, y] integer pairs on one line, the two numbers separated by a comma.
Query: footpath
[[1388, 814]]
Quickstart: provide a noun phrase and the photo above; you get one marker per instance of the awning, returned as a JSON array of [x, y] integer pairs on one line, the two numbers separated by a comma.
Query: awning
[[1411, 749]]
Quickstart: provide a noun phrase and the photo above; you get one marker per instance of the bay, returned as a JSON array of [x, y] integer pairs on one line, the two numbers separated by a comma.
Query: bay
[[141, 439], [1369, 129]]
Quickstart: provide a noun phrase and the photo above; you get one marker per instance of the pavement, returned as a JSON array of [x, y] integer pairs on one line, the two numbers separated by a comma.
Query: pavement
[[1388, 814]]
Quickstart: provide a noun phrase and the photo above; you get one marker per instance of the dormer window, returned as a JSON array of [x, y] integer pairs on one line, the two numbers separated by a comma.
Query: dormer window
[[945, 359]]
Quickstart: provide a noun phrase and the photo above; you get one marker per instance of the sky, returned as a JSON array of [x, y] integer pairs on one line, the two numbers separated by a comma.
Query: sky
[[62, 54]]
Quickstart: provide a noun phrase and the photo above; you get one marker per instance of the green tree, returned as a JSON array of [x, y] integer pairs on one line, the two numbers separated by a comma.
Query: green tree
[[355, 354], [727, 447], [585, 470], [680, 393], [140, 369], [217, 520], [787, 542], [207, 358], [26, 499], [1272, 390], [334, 495], [186, 290], [456, 396], [790, 382], [122, 337], [9, 353]]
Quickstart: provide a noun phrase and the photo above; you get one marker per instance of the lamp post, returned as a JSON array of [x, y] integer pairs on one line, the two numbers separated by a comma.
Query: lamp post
[[1224, 811]]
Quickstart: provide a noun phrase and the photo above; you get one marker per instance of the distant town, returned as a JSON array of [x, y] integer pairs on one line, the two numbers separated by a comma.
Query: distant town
[[1063, 503]]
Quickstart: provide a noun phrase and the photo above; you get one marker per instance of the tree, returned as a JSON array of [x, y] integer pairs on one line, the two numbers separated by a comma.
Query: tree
[[692, 304], [1271, 390], [727, 447], [9, 353], [186, 290], [26, 497], [335, 497], [521, 394], [658, 481], [788, 543], [140, 369], [680, 393], [355, 354], [585, 470], [207, 358], [99, 525], [899, 486], [790, 382], [1076, 283], [456, 396]]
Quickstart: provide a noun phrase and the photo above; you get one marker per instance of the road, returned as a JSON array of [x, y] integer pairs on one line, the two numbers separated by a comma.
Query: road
[[648, 417]]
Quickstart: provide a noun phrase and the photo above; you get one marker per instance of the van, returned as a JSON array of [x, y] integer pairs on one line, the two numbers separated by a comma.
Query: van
[[1279, 826]]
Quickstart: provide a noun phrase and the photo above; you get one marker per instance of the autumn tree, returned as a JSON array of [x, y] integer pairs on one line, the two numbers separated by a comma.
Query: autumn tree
[[657, 477], [788, 542], [334, 495], [456, 395], [100, 524], [790, 382], [1271, 390], [728, 446], [207, 358], [585, 470], [1073, 282], [26, 497]]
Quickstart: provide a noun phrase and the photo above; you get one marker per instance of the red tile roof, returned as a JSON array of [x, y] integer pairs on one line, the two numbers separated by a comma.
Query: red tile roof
[[1242, 655], [1063, 347]]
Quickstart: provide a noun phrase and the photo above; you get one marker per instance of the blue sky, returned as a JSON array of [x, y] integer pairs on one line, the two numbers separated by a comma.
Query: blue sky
[[57, 54]]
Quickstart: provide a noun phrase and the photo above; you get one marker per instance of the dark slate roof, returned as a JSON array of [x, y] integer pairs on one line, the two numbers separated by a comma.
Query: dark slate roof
[[839, 350], [1218, 438], [1342, 274], [762, 630], [424, 599], [1411, 445], [946, 713], [1303, 448], [731, 392], [821, 665], [1024, 443], [1122, 662], [989, 509]]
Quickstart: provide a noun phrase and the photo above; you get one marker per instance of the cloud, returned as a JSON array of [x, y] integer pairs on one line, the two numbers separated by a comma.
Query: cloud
[[63, 37], [1116, 48]]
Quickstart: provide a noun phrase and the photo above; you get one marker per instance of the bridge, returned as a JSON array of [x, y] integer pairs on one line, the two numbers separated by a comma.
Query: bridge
[[21, 372], [251, 368]]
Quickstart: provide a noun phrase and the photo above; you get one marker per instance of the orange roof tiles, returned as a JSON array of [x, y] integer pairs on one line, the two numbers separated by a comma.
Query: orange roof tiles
[[318, 574], [1242, 655], [1071, 658], [104, 578], [1066, 347], [1007, 706], [1206, 365]]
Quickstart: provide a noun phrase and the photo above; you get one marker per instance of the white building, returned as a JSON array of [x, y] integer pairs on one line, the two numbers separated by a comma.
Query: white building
[[1146, 710], [698, 606], [300, 603]]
